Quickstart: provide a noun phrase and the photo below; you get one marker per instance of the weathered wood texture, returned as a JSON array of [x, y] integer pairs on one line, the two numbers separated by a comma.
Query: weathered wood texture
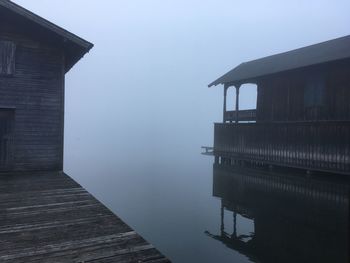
[[323, 146], [316, 93], [7, 58], [74, 46], [35, 92], [48, 217]]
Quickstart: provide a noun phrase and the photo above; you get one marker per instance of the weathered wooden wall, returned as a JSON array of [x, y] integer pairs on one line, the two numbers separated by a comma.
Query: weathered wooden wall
[[323, 146], [36, 93], [284, 96]]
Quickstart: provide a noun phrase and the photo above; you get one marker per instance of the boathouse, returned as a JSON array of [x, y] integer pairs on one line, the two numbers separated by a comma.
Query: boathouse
[[35, 55], [302, 114]]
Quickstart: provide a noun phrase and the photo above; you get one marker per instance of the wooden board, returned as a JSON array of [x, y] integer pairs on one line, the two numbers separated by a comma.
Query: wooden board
[[48, 217]]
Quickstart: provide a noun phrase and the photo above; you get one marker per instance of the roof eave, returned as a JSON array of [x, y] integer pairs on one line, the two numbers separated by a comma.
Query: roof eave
[[69, 66], [68, 36]]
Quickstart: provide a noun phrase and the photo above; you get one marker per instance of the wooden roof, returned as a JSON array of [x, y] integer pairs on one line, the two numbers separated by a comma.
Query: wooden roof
[[324, 52], [74, 46]]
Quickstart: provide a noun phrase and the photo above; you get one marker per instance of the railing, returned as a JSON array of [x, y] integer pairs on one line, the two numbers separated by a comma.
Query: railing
[[243, 115], [321, 146]]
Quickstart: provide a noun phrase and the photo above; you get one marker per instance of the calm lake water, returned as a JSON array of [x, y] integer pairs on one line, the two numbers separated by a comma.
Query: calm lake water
[[193, 210]]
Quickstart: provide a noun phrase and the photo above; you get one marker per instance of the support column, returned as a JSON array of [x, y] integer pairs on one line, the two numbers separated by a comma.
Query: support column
[[237, 101], [224, 109]]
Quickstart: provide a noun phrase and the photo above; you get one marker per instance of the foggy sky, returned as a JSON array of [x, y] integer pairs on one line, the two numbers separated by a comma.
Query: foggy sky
[[146, 79]]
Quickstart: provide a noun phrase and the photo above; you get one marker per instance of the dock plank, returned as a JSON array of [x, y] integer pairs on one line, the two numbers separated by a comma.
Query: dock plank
[[48, 217]]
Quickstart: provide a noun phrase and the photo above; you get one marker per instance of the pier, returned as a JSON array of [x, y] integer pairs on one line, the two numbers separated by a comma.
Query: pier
[[48, 217]]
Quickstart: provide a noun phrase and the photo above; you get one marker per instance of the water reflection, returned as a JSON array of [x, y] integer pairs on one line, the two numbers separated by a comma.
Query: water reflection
[[278, 217]]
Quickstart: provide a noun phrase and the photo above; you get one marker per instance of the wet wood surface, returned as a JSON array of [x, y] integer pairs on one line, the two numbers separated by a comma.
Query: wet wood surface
[[48, 217]]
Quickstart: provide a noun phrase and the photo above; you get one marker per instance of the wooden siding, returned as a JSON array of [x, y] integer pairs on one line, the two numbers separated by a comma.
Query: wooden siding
[[321, 146], [48, 217], [287, 96], [7, 58], [35, 91]]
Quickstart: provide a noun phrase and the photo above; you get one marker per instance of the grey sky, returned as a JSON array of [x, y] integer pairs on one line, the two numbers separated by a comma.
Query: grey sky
[[147, 74]]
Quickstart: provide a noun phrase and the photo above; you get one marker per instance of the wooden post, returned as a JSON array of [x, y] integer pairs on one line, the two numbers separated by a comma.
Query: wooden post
[[224, 110], [237, 101]]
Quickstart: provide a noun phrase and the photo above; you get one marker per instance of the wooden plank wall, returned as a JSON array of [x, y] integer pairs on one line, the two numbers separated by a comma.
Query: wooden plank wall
[[323, 146], [7, 58], [281, 97], [35, 91]]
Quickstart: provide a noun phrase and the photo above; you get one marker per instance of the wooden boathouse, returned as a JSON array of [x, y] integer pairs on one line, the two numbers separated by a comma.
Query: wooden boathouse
[[35, 55], [45, 216], [302, 114]]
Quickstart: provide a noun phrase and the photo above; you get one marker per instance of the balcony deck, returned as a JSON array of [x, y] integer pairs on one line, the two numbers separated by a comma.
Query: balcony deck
[[322, 146]]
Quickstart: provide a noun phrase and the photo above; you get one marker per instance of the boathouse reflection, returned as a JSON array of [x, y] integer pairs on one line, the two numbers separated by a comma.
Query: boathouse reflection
[[294, 218]]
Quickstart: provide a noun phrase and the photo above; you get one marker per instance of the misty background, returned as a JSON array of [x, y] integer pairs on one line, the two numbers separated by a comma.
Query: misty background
[[138, 108]]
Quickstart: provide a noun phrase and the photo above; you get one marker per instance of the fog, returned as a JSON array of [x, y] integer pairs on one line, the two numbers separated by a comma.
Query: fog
[[138, 108], [143, 87]]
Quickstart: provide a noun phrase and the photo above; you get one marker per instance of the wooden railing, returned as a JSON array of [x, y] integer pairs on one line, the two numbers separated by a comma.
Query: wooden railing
[[323, 146], [243, 115]]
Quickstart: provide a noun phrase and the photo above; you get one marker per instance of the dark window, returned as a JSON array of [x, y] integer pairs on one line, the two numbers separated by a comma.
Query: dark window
[[7, 58]]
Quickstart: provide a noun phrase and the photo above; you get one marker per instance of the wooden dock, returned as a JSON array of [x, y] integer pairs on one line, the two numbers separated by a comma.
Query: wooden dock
[[48, 217]]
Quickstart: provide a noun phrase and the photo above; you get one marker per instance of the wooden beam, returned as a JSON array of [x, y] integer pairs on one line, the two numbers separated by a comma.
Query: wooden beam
[[224, 106], [237, 101]]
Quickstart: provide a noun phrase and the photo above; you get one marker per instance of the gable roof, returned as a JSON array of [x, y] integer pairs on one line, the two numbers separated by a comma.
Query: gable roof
[[328, 51], [75, 47]]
